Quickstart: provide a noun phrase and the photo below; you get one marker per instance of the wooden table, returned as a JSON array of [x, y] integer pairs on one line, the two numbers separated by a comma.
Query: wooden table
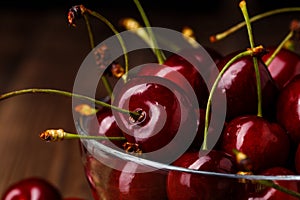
[[39, 50]]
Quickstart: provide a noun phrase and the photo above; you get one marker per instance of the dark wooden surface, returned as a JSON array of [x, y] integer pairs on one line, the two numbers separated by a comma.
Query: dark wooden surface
[[38, 49]]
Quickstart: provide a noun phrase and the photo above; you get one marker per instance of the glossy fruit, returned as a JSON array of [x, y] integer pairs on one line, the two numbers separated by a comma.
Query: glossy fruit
[[239, 85], [31, 189], [106, 126], [187, 63], [284, 67], [263, 192], [266, 144], [165, 110], [182, 185], [288, 108], [297, 160], [126, 180]]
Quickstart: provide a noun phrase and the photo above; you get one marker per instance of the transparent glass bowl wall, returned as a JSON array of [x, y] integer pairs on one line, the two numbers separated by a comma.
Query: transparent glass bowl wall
[[114, 174]]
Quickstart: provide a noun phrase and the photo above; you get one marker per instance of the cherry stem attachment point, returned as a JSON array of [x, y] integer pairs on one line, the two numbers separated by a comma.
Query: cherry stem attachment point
[[67, 94], [248, 52]]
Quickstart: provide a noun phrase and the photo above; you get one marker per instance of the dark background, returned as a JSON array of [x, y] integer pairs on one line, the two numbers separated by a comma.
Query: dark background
[[39, 49]]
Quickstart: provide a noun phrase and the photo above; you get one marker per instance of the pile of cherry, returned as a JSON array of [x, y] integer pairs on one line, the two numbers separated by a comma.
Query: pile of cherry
[[267, 143]]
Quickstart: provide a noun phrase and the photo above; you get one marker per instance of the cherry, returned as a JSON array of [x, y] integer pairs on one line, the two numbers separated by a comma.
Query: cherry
[[297, 159], [284, 66], [126, 180], [162, 113], [106, 125], [288, 108], [263, 192], [239, 84], [186, 62], [30, 189], [265, 143], [183, 185]]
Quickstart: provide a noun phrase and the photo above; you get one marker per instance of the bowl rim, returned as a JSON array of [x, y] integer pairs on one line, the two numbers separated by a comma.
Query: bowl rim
[[81, 129]]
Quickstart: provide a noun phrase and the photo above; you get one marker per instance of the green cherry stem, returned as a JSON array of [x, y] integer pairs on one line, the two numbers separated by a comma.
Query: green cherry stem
[[249, 52], [240, 25], [114, 30], [271, 184], [55, 135], [159, 54], [67, 94], [243, 7], [279, 47]]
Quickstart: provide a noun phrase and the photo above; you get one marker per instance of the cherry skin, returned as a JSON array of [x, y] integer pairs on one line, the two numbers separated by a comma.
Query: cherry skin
[[297, 159], [266, 144], [126, 180], [106, 125], [284, 67], [288, 108], [239, 84], [30, 189], [182, 64], [164, 111], [271, 193], [182, 185]]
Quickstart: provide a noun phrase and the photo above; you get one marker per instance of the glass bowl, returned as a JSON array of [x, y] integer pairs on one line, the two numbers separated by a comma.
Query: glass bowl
[[116, 174]]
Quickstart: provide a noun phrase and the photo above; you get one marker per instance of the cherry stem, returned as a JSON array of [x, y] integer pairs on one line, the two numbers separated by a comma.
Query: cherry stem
[[55, 135], [255, 61], [249, 52], [159, 54], [238, 26], [270, 183], [114, 30], [67, 94], [279, 47], [92, 44]]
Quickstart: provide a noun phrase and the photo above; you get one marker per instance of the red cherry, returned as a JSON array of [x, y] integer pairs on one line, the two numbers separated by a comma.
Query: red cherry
[[186, 63], [183, 185], [30, 189], [266, 144], [284, 67], [239, 84], [273, 194], [105, 125], [164, 111], [126, 181], [297, 159], [288, 108]]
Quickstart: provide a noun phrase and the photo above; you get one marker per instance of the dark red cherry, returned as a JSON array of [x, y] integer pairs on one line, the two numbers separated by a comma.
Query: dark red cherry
[[186, 62], [264, 192], [266, 144], [164, 112], [31, 189], [105, 125], [297, 159], [183, 185], [125, 180], [239, 85], [288, 108], [284, 67]]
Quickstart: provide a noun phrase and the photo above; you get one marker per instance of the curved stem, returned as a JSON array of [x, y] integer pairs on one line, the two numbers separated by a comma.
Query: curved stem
[[280, 46], [214, 87], [159, 54], [92, 44], [114, 30], [67, 94], [255, 61], [238, 26], [271, 184]]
